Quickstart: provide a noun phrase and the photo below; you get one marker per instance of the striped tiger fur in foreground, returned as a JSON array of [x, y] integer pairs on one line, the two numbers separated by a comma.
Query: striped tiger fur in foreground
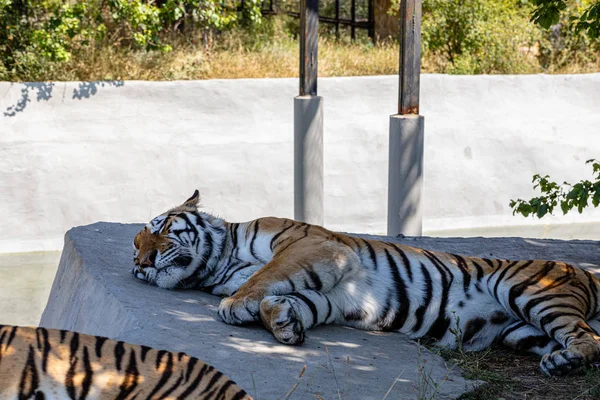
[[51, 364], [294, 276]]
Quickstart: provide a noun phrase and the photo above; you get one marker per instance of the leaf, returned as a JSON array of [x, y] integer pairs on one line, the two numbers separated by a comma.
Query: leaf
[[596, 199], [542, 210]]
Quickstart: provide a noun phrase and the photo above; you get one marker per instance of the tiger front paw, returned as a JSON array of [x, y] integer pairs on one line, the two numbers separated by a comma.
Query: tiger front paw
[[139, 273], [238, 311], [279, 316]]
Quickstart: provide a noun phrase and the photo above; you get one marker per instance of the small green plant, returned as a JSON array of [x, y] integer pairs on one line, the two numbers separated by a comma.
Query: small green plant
[[427, 387], [471, 363], [567, 196], [456, 331]]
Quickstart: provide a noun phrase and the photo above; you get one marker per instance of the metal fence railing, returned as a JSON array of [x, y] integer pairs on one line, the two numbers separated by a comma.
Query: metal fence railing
[[354, 14]]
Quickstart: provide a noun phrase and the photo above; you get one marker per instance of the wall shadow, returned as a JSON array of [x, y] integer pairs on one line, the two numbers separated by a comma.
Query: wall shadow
[[88, 89], [43, 91]]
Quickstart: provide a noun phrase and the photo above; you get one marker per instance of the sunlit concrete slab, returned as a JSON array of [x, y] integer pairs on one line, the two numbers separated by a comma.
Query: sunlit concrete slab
[[94, 293]]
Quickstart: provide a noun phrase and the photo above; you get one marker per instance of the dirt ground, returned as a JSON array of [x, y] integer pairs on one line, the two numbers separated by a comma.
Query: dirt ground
[[511, 376]]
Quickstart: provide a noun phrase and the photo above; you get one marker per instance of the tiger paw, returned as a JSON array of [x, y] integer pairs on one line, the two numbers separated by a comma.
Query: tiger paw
[[139, 273], [234, 311], [279, 316], [562, 362]]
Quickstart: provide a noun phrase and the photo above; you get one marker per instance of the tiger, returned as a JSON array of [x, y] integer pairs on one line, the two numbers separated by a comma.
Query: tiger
[[293, 276], [52, 364]]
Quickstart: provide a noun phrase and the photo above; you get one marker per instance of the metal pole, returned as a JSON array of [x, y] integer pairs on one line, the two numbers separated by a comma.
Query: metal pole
[[410, 57], [337, 19], [405, 177], [372, 20], [309, 46], [353, 18], [308, 123]]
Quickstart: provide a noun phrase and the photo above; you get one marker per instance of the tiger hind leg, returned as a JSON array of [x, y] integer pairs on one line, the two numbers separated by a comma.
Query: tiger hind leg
[[289, 316]]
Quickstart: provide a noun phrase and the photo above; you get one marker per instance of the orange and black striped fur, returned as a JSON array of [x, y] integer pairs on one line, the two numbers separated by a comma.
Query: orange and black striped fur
[[50, 364], [294, 276]]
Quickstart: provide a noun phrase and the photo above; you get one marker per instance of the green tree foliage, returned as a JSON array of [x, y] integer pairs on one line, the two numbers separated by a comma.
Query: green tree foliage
[[568, 196], [41, 33], [497, 36], [37, 35], [42, 39], [549, 12], [477, 36], [563, 46]]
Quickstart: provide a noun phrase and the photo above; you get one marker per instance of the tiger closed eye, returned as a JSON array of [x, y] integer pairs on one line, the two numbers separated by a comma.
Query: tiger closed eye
[[137, 239]]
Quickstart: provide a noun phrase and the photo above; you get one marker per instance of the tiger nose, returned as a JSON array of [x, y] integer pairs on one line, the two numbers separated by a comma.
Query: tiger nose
[[149, 260]]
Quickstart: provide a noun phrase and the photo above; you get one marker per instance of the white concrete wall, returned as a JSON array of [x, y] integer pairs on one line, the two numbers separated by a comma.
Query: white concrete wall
[[74, 153]]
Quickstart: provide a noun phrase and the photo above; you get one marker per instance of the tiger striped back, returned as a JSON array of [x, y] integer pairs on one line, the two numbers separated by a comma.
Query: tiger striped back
[[39, 363]]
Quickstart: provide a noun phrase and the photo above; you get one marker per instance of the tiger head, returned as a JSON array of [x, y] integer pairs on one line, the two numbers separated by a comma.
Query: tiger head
[[180, 247]]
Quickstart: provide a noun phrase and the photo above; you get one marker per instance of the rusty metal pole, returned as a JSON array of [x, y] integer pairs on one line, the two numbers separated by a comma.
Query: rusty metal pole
[[308, 123], [309, 46], [405, 178]]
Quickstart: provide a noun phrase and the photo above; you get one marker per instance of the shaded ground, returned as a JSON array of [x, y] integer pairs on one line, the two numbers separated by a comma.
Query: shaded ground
[[25, 282], [511, 376]]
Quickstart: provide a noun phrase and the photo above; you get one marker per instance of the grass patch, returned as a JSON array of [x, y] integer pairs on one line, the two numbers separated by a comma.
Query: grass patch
[[275, 59], [511, 376]]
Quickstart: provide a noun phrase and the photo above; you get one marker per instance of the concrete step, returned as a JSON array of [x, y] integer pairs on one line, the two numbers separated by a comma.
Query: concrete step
[[94, 293]]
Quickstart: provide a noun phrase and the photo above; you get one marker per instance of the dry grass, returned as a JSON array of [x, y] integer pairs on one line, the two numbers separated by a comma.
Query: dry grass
[[275, 60], [577, 68], [278, 59], [511, 376]]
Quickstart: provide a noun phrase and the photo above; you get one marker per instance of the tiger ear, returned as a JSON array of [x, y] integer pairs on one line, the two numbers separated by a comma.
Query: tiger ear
[[193, 201]]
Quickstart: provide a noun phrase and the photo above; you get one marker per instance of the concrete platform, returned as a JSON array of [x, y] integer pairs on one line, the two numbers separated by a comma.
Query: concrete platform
[[94, 293]]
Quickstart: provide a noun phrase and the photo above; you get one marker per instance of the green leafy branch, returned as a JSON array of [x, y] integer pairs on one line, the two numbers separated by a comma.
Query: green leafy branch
[[566, 195], [547, 13]]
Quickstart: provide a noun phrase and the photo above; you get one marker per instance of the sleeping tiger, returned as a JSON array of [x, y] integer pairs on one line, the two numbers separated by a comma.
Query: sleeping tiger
[[294, 276], [45, 364]]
